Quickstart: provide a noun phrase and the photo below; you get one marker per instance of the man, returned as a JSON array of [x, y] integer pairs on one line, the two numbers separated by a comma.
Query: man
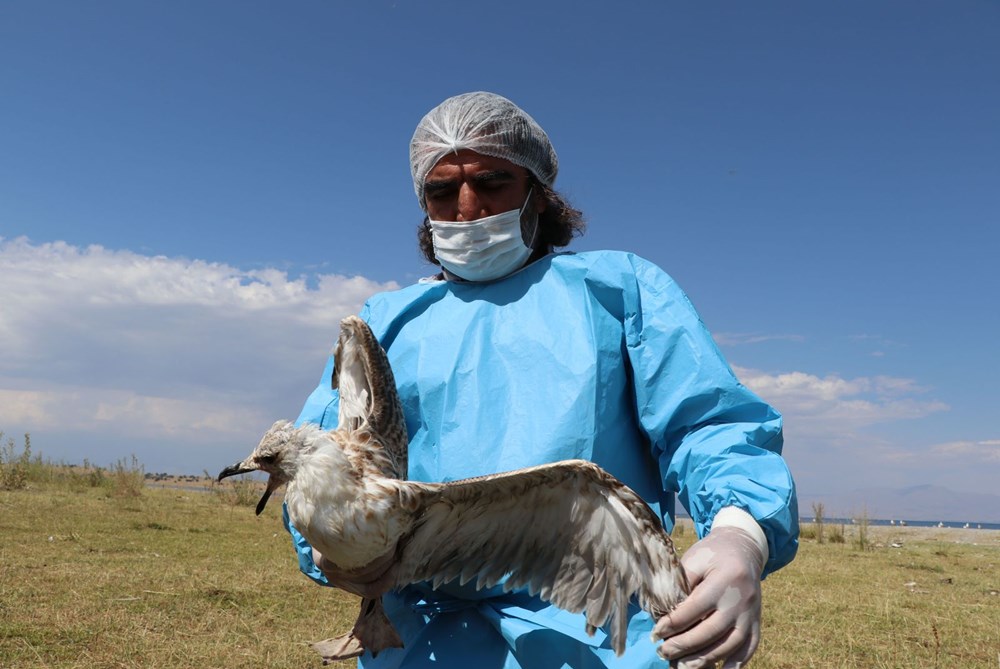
[[514, 356]]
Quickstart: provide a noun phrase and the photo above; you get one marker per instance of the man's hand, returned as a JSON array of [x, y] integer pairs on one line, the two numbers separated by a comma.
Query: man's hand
[[720, 619], [371, 581]]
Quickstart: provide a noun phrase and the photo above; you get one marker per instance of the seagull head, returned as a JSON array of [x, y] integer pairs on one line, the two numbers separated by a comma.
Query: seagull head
[[277, 454]]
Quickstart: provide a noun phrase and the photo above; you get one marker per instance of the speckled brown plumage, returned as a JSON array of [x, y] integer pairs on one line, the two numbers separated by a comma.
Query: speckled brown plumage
[[384, 419], [569, 531]]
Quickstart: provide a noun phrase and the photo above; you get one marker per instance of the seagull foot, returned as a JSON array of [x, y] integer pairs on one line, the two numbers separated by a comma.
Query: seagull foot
[[374, 629], [372, 632], [342, 647]]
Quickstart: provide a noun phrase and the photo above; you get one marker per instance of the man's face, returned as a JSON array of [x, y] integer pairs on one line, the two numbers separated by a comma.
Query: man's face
[[467, 186]]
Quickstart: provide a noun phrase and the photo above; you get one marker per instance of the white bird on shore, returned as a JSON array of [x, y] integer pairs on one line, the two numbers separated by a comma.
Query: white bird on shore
[[568, 531]]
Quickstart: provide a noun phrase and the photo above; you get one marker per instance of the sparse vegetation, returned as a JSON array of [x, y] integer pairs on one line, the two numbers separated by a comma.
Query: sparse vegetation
[[20, 469], [235, 491], [14, 466], [128, 478], [838, 535], [178, 578], [818, 510], [93, 476], [861, 541]]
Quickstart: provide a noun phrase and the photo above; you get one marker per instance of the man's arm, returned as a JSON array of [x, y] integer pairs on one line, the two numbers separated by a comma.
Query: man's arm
[[718, 446]]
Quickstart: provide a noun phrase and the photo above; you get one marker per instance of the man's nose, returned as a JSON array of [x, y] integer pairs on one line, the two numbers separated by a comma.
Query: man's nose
[[470, 207]]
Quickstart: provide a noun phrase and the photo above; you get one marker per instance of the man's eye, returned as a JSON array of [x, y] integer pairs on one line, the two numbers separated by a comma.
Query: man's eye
[[441, 197]]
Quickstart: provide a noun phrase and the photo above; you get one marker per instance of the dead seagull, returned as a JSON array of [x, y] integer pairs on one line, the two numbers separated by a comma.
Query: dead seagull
[[569, 531]]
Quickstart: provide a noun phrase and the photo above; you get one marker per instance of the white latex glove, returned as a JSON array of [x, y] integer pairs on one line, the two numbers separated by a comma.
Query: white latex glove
[[720, 619]]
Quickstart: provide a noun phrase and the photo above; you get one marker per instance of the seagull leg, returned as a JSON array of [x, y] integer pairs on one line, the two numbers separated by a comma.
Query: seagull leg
[[372, 632], [374, 629]]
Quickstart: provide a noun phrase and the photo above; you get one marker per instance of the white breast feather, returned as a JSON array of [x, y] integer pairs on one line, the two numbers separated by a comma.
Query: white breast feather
[[350, 522]]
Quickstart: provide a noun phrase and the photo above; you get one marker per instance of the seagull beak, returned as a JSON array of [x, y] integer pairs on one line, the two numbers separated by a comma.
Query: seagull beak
[[238, 468], [246, 467], [266, 496]]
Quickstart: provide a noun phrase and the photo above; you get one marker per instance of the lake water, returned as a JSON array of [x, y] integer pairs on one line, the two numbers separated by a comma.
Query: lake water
[[910, 523]]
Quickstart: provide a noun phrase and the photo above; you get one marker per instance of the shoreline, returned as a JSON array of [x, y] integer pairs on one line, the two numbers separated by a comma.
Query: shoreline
[[901, 534]]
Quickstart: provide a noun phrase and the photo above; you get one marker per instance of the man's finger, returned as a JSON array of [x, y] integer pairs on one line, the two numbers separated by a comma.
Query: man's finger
[[742, 655], [722, 648], [704, 635], [686, 614]]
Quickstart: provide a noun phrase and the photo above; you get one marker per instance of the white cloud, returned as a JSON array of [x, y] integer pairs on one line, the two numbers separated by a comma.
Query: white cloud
[[127, 345], [184, 363], [740, 338], [835, 428], [830, 405], [874, 339], [124, 413], [985, 451]]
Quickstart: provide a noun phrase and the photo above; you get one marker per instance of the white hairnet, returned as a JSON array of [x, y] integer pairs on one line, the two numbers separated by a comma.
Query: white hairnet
[[486, 123]]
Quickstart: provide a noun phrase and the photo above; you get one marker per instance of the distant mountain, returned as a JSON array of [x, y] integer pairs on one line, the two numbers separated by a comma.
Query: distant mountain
[[920, 502]]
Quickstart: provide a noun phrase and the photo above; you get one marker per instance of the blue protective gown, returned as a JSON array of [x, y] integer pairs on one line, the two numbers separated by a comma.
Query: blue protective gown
[[596, 355]]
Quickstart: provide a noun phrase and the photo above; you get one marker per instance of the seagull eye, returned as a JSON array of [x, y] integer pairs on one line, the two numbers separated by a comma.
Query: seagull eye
[[269, 459]]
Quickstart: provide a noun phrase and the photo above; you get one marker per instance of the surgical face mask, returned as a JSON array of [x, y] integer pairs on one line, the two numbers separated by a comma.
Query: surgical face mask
[[485, 249]]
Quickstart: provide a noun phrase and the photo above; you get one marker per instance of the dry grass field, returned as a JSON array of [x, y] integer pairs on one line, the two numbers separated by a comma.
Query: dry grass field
[[94, 574]]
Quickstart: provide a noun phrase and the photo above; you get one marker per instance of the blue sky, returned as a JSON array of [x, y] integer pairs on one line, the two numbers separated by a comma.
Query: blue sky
[[193, 193]]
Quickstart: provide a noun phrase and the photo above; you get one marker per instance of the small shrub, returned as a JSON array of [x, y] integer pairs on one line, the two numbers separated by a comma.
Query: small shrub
[[837, 535], [14, 466], [242, 492], [863, 542], [807, 533], [36, 470], [95, 477], [127, 478], [235, 492], [82, 477], [818, 519]]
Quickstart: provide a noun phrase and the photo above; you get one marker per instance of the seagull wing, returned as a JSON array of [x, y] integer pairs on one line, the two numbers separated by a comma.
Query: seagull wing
[[570, 532], [368, 396], [350, 380]]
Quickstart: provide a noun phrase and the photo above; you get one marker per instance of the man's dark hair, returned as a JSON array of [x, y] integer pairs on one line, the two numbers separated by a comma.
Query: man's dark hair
[[557, 225]]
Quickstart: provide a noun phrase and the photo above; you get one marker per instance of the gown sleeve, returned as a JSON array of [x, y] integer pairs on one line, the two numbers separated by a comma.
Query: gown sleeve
[[717, 443]]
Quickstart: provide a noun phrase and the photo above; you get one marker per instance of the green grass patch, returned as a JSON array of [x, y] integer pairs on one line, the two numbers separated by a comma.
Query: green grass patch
[[886, 597], [172, 578], [179, 578]]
